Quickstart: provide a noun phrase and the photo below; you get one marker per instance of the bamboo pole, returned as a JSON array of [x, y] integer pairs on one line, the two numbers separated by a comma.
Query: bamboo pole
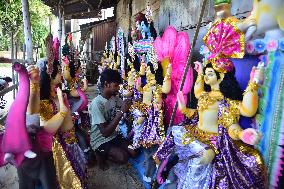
[[27, 31], [60, 14], [16, 57], [8, 89], [12, 57], [189, 61], [63, 30]]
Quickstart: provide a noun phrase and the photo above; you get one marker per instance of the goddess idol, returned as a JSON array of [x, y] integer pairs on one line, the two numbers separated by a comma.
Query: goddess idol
[[213, 150], [55, 117]]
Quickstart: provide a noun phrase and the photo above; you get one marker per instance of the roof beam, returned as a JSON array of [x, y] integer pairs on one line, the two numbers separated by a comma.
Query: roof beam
[[99, 5], [71, 2], [90, 6], [78, 2], [91, 14]]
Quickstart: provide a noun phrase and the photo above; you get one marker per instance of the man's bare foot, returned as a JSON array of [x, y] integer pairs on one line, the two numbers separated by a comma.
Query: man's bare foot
[[9, 158]]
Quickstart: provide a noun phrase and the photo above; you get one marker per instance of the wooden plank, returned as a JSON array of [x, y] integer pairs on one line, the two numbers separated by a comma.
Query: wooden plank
[[5, 60], [102, 33], [8, 89], [9, 60]]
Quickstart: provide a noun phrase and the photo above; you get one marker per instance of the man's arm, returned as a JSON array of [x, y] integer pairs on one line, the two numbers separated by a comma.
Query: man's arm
[[108, 128]]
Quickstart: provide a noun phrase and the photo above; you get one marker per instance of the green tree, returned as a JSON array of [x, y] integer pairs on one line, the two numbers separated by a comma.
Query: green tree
[[11, 21]]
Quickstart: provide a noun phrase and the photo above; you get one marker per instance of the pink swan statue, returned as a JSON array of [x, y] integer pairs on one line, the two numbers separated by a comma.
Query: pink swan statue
[[15, 142]]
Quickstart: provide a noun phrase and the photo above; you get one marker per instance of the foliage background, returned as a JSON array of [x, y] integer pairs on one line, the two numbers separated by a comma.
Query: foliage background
[[11, 22]]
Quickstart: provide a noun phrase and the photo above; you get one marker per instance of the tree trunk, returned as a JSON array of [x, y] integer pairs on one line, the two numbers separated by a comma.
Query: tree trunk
[[63, 29], [27, 31], [60, 29], [12, 58]]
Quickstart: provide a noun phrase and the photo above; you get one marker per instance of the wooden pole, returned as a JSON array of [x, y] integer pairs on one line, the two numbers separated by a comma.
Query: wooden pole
[[27, 31], [6, 90], [12, 57], [24, 51], [190, 57], [49, 23], [60, 28], [130, 16], [16, 57], [63, 29]]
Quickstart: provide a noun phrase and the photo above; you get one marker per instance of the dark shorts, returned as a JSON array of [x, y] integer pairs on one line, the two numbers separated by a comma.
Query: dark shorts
[[38, 170], [104, 149]]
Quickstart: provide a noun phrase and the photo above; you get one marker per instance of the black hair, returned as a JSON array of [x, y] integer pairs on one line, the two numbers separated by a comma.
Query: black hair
[[136, 63], [74, 67], [115, 56], [153, 31], [229, 86], [158, 73], [45, 79], [110, 76], [152, 28], [7, 79]]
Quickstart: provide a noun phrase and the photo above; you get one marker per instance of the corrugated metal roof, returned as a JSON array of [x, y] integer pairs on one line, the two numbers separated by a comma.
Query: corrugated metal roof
[[79, 9]]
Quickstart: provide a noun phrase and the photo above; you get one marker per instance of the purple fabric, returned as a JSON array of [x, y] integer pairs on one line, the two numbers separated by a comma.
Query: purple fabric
[[76, 156], [150, 133], [137, 94], [84, 99], [232, 167], [167, 147]]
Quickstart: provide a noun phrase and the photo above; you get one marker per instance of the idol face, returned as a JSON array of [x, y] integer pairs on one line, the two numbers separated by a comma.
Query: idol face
[[210, 77]]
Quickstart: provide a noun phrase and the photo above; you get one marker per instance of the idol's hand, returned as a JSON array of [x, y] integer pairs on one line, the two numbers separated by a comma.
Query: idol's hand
[[247, 23], [198, 66], [62, 101], [33, 73], [250, 136], [169, 69], [65, 60], [140, 120], [138, 83], [126, 104], [181, 101], [207, 157], [259, 73]]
